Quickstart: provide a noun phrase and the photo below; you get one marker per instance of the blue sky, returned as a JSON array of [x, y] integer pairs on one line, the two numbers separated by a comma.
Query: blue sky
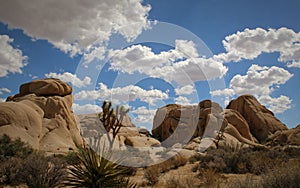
[[146, 54]]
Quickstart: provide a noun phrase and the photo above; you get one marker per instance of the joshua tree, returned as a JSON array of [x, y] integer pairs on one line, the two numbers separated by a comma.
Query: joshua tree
[[112, 120]]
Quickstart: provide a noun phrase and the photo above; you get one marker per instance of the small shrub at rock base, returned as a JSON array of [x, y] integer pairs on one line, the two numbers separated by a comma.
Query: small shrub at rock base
[[10, 171], [285, 175], [13, 148], [41, 171], [152, 174]]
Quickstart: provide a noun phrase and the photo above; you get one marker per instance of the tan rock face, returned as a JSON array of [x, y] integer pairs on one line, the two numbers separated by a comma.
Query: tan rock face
[[238, 122], [41, 115], [129, 134], [178, 124], [290, 137], [261, 121], [46, 87]]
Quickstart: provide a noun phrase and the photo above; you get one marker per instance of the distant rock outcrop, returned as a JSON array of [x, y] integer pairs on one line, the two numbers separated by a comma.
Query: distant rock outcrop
[[286, 137], [244, 121], [41, 115], [261, 121], [129, 134], [178, 123]]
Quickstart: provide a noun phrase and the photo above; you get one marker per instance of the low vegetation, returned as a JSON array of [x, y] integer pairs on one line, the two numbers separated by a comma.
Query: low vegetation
[[22, 165]]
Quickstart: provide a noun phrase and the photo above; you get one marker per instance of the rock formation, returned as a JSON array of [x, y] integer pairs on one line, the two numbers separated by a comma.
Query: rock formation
[[286, 137], [245, 121], [261, 121], [179, 124], [129, 134], [41, 115]]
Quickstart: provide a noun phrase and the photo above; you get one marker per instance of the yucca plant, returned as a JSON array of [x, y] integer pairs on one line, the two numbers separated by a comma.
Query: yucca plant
[[97, 171]]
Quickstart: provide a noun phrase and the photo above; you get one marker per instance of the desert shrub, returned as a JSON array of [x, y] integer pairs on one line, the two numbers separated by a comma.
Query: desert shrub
[[244, 160], [209, 177], [36, 170], [41, 171], [247, 182], [152, 174], [282, 176], [193, 159], [181, 181], [96, 170], [13, 148], [10, 171], [71, 158]]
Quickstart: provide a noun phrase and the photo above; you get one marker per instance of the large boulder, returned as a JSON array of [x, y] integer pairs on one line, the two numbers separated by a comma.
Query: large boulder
[[176, 123], [261, 121], [286, 137], [235, 119], [128, 135], [41, 115]]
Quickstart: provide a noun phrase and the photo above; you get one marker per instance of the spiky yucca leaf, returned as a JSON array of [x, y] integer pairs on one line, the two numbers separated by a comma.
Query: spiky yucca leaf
[[97, 171]]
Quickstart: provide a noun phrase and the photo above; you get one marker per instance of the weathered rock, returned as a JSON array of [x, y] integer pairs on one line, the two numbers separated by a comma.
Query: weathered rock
[[237, 120], [141, 141], [175, 123], [179, 124], [41, 115], [261, 121], [128, 135], [286, 137], [46, 87]]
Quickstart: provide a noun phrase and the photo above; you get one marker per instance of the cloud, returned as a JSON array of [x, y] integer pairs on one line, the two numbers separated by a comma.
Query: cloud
[[3, 89], [182, 67], [260, 81], [2, 99], [11, 59], [224, 92], [185, 90], [86, 109], [182, 100], [73, 25], [188, 48], [95, 53], [251, 43], [144, 115], [277, 105], [71, 78], [122, 94]]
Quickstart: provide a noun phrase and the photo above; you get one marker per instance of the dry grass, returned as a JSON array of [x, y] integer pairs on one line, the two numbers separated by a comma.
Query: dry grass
[[152, 173]]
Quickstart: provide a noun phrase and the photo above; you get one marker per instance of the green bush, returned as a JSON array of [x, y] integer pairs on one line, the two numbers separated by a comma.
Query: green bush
[[245, 160], [13, 148], [43, 172]]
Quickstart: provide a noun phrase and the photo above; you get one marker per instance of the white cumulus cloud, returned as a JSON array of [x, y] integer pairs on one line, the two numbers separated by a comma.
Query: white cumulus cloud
[[144, 115], [251, 43], [71, 78], [182, 100], [4, 90], [86, 108], [11, 59], [276, 105], [122, 94], [185, 90], [260, 81], [73, 25], [178, 65]]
